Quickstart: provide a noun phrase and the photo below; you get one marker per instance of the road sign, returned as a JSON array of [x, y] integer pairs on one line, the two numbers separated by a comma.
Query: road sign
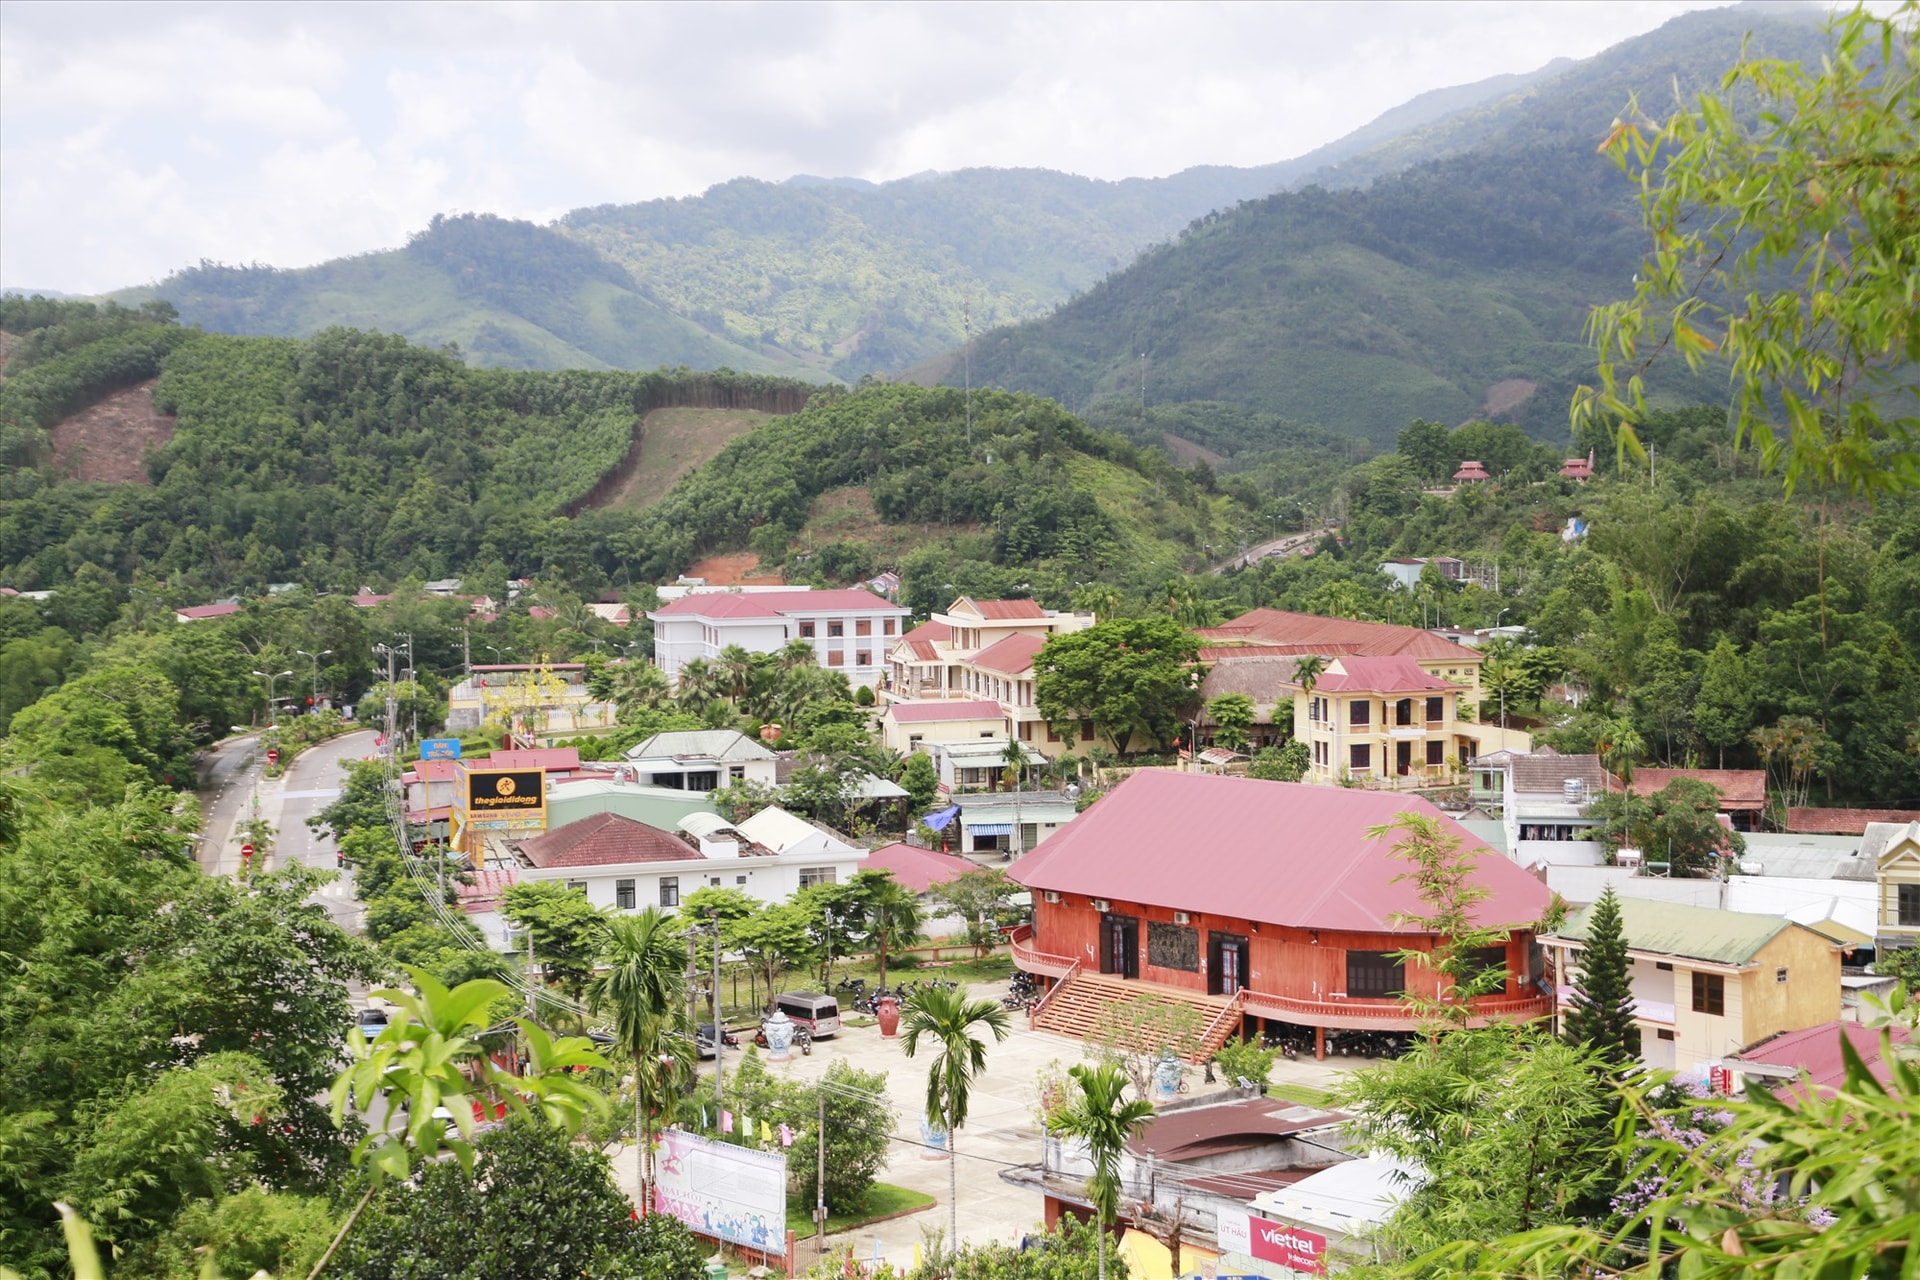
[[246, 851], [273, 755], [440, 749]]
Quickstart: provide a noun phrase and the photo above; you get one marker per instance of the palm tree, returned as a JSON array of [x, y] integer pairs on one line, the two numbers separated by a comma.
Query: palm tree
[[948, 1018], [893, 919], [1307, 672], [1619, 744], [699, 683], [735, 663], [1100, 1116], [645, 988]]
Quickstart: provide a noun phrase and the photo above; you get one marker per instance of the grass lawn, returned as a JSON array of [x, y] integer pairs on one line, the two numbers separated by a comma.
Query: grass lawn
[[883, 1201], [1303, 1094]]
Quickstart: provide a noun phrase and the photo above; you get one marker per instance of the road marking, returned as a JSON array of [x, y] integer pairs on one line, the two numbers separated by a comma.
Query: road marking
[[324, 793]]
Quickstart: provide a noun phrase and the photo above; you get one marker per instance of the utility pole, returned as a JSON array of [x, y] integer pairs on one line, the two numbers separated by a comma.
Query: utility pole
[[820, 1182], [1143, 385], [719, 1028], [966, 322]]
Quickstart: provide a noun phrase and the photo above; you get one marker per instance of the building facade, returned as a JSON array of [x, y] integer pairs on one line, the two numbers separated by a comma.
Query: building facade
[[1382, 721], [849, 630], [1896, 860], [1707, 983], [1267, 899]]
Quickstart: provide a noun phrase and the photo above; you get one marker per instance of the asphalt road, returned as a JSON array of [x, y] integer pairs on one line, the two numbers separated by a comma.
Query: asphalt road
[[230, 775], [311, 783]]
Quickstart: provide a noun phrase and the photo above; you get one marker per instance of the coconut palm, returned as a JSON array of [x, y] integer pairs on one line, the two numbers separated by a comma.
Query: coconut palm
[[644, 987], [1307, 672], [1099, 1115], [735, 664], [700, 682], [948, 1019]]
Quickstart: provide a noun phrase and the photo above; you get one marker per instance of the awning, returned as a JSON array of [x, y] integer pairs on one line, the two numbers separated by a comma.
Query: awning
[[939, 818], [988, 828]]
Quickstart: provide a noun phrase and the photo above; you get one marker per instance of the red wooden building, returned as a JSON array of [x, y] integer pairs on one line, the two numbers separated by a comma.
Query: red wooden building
[[1252, 900]]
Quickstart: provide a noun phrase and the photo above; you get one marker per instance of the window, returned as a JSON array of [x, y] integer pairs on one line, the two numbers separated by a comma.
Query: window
[[713, 882], [836, 628], [576, 886], [835, 658], [1436, 710], [623, 894], [806, 631], [1374, 975], [1403, 712], [1053, 734], [863, 658], [1780, 976], [1029, 834], [1909, 904], [1436, 752], [703, 780], [1709, 993], [669, 891], [1359, 756], [810, 876], [735, 772], [739, 879], [863, 627], [1359, 711], [1662, 1033], [1487, 960], [1663, 966], [1086, 731], [886, 628], [914, 740]]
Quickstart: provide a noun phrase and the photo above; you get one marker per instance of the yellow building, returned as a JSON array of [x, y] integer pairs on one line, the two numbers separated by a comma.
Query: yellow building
[[1382, 722], [1707, 983], [1897, 874], [981, 651]]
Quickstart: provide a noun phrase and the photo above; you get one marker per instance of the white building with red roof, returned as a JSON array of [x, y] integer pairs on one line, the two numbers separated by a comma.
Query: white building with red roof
[[982, 650], [1254, 901], [850, 630]]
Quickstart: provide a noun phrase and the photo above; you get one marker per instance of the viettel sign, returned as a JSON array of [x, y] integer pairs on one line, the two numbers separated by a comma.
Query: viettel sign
[[1269, 1241]]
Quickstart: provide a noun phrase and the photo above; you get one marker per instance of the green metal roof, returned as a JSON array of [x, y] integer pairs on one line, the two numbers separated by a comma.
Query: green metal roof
[[1697, 933]]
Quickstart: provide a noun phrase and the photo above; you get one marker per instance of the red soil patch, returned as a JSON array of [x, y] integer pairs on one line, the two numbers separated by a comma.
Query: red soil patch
[[106, 442], [733, 569]]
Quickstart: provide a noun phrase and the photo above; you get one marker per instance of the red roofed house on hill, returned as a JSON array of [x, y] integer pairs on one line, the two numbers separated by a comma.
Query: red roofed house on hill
[[850, 630], [1250, 900], [982, 650]]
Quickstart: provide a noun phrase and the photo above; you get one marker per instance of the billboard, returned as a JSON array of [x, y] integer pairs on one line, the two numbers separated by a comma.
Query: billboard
[[730, 1193], [505, 797], [440, 749], [1276, 1242]]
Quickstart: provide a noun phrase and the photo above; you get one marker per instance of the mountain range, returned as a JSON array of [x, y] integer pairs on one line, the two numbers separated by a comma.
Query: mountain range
[[1437, 262]]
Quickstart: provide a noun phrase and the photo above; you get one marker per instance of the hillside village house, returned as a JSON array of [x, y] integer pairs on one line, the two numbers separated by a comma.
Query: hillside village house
[[1381, 721], [701, 760], [908, 726], [1708, 983], [983, 651], [1743, 792], [1251, 901], [850, 630], [624, 865]]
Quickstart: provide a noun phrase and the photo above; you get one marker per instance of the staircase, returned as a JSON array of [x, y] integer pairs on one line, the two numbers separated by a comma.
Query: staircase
[[1078, 1007]]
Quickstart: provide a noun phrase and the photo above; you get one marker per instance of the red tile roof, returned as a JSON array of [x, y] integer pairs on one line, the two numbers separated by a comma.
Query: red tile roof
[[918, 869], [1002, 610], [488, 888], [1843, 822], [925, 636], [1010, 656], [1816, 1051], [1739, 788], [772, 604], [196, 612], [604, 840], [938, 709], [1380, 675], [1335, 636], [366, 600], [1274, 852], [1471, 471]]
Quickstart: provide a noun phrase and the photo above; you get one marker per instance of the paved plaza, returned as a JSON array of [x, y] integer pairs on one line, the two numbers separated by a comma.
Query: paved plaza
[[1001, 1129]]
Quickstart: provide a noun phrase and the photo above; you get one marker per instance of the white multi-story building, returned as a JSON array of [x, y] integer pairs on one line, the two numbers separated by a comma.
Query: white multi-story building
[[850, 630]]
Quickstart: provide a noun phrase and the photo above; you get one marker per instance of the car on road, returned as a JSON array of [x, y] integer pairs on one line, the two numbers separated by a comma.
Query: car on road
[[371, 1021]]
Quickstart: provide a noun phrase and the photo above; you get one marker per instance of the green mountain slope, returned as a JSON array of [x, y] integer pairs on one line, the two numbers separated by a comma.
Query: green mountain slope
[[818, 278], [1416, 297]]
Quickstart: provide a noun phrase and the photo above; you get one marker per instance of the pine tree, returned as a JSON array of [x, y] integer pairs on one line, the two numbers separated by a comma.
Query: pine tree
[[1601, 1015]]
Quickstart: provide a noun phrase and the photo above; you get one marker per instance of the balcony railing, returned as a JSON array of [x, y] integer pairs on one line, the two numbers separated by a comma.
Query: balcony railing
[[1386, 1015], [1028, 957]]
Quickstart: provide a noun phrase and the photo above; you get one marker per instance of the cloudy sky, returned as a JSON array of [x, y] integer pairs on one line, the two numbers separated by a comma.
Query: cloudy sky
[[137, 138]]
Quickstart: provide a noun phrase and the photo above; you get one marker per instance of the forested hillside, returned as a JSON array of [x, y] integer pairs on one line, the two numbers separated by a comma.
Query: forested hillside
[[817, 278], [1453, 287], [354, 458]]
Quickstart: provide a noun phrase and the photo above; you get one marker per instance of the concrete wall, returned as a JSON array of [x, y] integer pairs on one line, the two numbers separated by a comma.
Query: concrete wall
[[1810, 995]]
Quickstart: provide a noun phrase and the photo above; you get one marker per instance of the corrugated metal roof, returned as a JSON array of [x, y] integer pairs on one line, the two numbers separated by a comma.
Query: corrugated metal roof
[[1277, 852], [944, 709], [1010, 656], [916, 868], [773, 604], [1693, 933], [1738, 788], [699, 744]]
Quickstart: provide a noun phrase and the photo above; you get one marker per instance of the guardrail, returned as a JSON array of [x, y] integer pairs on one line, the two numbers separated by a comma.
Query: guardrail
[[1234, 1011], [1033, 1014], [1033, 960], [1390, 1014]]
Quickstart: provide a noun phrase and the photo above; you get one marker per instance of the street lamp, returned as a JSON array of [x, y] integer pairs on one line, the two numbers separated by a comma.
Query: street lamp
[[497, 652], [270, 677], [1503, 679], [315, 700]]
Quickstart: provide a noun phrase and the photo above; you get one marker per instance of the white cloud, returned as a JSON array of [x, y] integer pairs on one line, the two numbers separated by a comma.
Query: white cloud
[[135, 139]]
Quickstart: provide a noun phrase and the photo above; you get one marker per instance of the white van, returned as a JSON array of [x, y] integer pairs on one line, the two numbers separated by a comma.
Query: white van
[[820, 1015]]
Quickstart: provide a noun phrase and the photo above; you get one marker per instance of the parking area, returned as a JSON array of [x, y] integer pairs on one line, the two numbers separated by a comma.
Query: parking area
[[1002, 1129]]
